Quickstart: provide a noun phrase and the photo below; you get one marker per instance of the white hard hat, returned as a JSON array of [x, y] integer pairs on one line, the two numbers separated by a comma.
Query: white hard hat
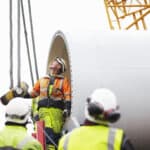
[[17, 111], [102, 106], [62, 62]]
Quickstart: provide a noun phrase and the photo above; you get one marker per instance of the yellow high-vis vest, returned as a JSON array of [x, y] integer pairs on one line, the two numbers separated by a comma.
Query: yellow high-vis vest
[[17, 137], [92, 138]]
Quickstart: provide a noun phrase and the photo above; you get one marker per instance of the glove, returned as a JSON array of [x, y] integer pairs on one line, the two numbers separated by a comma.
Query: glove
[[66, 113], [67, 109]]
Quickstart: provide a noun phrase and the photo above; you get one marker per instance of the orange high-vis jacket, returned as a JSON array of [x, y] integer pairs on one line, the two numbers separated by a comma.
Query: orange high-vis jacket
[[61, 89]]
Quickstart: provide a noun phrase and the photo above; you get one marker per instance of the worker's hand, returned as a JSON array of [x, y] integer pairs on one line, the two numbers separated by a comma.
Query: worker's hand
[[67, 109], [66, 113]]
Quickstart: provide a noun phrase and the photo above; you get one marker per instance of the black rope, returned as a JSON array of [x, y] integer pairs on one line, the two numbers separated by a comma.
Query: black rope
[[33, 41], [19, 52], [27, 43], [11, 45]]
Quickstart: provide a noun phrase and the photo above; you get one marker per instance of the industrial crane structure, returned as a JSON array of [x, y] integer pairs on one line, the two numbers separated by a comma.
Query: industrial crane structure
[[128, 14]]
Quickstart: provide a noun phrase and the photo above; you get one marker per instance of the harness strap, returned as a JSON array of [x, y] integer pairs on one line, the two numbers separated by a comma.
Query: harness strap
[[48, 102], [51, 85]]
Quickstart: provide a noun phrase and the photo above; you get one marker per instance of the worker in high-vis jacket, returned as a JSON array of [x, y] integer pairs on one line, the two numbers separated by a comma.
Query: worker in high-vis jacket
[[54, 105], [96, 133], [14, 134], [53, 93]]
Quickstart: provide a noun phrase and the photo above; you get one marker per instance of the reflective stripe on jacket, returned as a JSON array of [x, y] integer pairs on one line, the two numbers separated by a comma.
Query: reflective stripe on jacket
[[61, 89], [16, 136], [92, 138]]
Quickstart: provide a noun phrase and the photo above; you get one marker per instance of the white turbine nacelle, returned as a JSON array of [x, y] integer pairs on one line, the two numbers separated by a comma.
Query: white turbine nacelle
[[115, 60]]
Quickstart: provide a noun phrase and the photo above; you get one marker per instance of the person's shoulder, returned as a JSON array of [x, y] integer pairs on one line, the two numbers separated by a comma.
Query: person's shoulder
[[32, 144], [3, 130], [121, 130]]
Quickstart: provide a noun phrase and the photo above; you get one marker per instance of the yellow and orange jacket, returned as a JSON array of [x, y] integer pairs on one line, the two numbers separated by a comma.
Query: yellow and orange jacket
[[61, 89]]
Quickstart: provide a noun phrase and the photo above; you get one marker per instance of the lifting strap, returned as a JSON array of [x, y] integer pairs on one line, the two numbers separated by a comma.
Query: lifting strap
[[11, 45], [20, 7], [27, 42], [33, 41], [18, 44]]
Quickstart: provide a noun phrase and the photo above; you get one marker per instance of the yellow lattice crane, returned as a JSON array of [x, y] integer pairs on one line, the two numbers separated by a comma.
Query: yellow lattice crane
[[127, 14]]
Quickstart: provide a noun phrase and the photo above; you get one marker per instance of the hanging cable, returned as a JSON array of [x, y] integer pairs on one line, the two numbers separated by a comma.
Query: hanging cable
[[20, 3], [18, 48], [33, 41], [27, 43], [36, 68], [21, 6], [11, 45]]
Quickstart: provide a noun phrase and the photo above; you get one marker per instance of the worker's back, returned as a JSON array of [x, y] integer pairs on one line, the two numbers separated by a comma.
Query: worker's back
[[94, 137], [14, 134], [17, 137], [96, 133]]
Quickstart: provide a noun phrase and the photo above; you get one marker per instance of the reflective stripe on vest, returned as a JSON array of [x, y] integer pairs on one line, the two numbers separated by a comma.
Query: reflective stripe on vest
[[113, 143], [111, 138], [61, 84], [24, 142], [66, 141]]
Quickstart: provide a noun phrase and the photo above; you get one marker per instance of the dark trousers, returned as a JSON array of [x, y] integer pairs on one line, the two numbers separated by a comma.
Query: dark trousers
[[51, 137]]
